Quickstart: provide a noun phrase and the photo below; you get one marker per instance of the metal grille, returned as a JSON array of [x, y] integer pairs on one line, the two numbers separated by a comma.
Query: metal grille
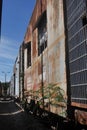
[[77, 42]]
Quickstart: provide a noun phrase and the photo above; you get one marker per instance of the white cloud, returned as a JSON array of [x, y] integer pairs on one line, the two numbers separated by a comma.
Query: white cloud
[[8, 48], [8, 41], [5, 64], [8, 53], [7, 56]]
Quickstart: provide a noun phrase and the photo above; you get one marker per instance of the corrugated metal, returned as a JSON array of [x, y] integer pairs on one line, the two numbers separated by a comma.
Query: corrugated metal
[[77, 39], [34, 44], [77, 51]]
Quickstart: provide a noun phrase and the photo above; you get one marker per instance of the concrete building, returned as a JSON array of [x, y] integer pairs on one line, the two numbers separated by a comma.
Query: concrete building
[[14, 86], [44, 53], [17, 76]]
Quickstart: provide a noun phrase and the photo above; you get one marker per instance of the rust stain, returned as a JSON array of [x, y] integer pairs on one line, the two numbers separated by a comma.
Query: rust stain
[[40, 7], [51, 56], [28, 34], [34, 50], [81, 117], [55, 13], [39, 68], [79, 105]]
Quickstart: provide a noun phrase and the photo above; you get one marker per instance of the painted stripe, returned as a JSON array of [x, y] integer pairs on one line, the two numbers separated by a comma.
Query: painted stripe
[[12, 113], [6, 101], [19, 106]]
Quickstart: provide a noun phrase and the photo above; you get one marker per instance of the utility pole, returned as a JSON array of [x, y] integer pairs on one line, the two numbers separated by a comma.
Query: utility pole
[[5, 81]]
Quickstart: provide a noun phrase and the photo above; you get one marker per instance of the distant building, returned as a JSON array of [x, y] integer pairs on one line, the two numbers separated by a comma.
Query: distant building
[[17, 76], [21, 71], [17, 79], [14, 84]]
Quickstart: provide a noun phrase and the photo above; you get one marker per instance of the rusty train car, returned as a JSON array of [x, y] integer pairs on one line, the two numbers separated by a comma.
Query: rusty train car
[[76, 40], [55, 52]]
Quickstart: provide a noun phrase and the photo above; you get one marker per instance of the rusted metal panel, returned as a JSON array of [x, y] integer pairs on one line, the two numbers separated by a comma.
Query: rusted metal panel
[[79, 105], [55, 20], [81, 117], [40, 7], [34, 44], [39, 68], [31, 77], [35, 77], [52, 69], [56, 45], [28, 34], [44, 5], [28, 80]]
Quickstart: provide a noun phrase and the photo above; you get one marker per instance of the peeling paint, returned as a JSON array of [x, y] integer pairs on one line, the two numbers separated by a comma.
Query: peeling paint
[[52, 69]]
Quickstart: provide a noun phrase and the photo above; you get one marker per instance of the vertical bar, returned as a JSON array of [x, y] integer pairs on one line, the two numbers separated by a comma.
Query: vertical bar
[[69, 109], [14, 83], [42, 75]]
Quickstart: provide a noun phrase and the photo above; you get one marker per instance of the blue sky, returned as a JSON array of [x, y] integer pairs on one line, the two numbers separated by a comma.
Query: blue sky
[[15, 19]]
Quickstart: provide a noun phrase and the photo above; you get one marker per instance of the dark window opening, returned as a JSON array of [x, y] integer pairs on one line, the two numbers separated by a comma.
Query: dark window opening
[[29, 54], [42, 34], [84, 20]]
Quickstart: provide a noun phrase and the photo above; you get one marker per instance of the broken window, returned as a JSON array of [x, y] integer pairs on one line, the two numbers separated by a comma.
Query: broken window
[[29, 54], [42, 34]]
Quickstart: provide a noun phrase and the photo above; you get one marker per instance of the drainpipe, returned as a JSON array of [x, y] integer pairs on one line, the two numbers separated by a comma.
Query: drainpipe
[[42, 75]]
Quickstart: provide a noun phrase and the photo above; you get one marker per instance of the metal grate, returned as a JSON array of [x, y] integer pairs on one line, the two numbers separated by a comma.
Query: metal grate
[[77, 42]]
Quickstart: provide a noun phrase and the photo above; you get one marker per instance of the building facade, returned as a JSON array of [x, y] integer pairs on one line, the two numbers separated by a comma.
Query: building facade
[[53, 56], [14, 85], [44, 53]]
